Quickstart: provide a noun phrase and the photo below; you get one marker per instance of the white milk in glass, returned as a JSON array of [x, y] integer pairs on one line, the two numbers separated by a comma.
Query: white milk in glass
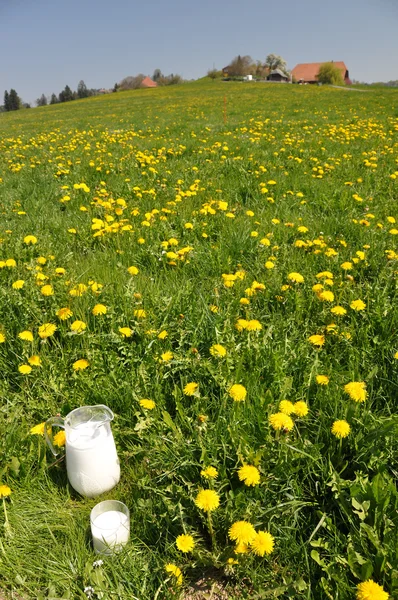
[[91, 459], [110, 531]]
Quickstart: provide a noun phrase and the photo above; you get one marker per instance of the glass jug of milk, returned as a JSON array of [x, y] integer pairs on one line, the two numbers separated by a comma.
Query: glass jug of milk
[[91, 459]]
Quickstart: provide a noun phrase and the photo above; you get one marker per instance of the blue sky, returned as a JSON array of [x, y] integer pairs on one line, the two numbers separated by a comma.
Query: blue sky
[[46, 44]]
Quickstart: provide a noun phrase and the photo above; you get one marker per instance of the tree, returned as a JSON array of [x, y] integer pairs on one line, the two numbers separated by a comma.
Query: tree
[[213, 74], [54, 99], [6, 101], [240, 66], [157, 74], [14, 100], [42, 101], [82, 91], [115, 87], [131, 83], [330, 74], [66, 95], [274, 61]]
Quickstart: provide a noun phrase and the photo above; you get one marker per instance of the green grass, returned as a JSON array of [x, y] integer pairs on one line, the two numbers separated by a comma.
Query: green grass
[[170, 159]]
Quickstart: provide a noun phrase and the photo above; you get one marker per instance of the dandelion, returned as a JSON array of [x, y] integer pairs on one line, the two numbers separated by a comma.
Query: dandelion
[[242, 532], [47, 290], [185, 543], [317, 340], [358, 305], [209, 473], [326, 296], [263, 543], [60, 271], [190, 388], [60, 439], [341, 429], [254, 325], [218, 351], [207, 500], [26, 336], [249, 474], [356, 390], [241, 548], [126, 332], [99, 309], [166, 356], [279, 421], [78, 326], [346, 266], [25, 369], [5, 491], [237, 392], [34, 360], [295, 277], [175, 571], [162, 335], [140, 313], [133, 270], [370, 590], [241, 324], [47, 330], [38, 429], [81, 364], [396, 356], [18, 285], [64, 313], [339, 311], [147, 404], [286, 407], [300, 409], [2, 338], [30, 240], [10, 263]]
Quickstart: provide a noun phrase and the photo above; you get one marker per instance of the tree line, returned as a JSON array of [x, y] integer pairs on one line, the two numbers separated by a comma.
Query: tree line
[[67, 95], [241, 66], [134, 82]]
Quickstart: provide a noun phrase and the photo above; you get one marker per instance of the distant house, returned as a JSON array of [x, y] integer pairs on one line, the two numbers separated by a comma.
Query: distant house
[[277, 75], [148, 83], [307, 72]]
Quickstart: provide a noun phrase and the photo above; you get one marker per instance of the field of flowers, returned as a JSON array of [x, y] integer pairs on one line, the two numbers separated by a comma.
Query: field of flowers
[[226, 284]]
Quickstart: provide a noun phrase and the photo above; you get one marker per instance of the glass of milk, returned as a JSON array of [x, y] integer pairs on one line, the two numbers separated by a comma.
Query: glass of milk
[[110, 526]]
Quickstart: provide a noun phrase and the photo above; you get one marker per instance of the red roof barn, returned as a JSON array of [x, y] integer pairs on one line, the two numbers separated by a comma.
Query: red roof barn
[[307, 72], [148, 83]]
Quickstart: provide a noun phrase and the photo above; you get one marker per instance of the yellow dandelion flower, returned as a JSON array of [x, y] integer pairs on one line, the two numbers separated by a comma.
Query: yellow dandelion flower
[[30, 239], [207, 500], [147, 404], [25, 369], [78, 326], [249, 474], [47, 290], [253, 325], [341, 429], [34, 360], [175, 571], [358, 305], [5, 491], [2, 338], [27, 336], [38, 429], [241, 324], [295, 277], [356, 390], [317, 340], [322, 379], [370, 590], [10, 263], [346, 266], [81, 364], [218, 351], [279, 421], [396, 355], [241, 548], [339, 311], [60, 439], [242, 532], [162, 335], [286, 407], [237, 392], [326, 296], [47, 330], [209, 473], [133, 270], [166, 356], [190, 388], [64, 313], [60, 271], [140, 313], [300, 409], [99, 309], [185, 543], [18, 285], [263, 543], [126, 332]]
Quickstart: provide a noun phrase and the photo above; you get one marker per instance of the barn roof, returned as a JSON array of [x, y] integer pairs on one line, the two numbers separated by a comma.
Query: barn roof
[[309, 71], [148, 83]]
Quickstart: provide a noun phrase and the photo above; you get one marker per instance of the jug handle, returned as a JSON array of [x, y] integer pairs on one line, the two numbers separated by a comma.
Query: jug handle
[[48, 432]]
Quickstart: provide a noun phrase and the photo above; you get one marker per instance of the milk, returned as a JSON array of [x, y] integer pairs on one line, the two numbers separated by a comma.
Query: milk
[[91, 459], [110, 531]]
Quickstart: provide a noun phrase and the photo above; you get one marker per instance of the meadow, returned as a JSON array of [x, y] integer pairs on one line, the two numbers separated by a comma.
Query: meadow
[[226, 284]]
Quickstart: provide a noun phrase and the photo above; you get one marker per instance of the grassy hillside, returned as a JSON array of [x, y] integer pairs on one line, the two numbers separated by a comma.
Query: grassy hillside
[[237, 269]]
